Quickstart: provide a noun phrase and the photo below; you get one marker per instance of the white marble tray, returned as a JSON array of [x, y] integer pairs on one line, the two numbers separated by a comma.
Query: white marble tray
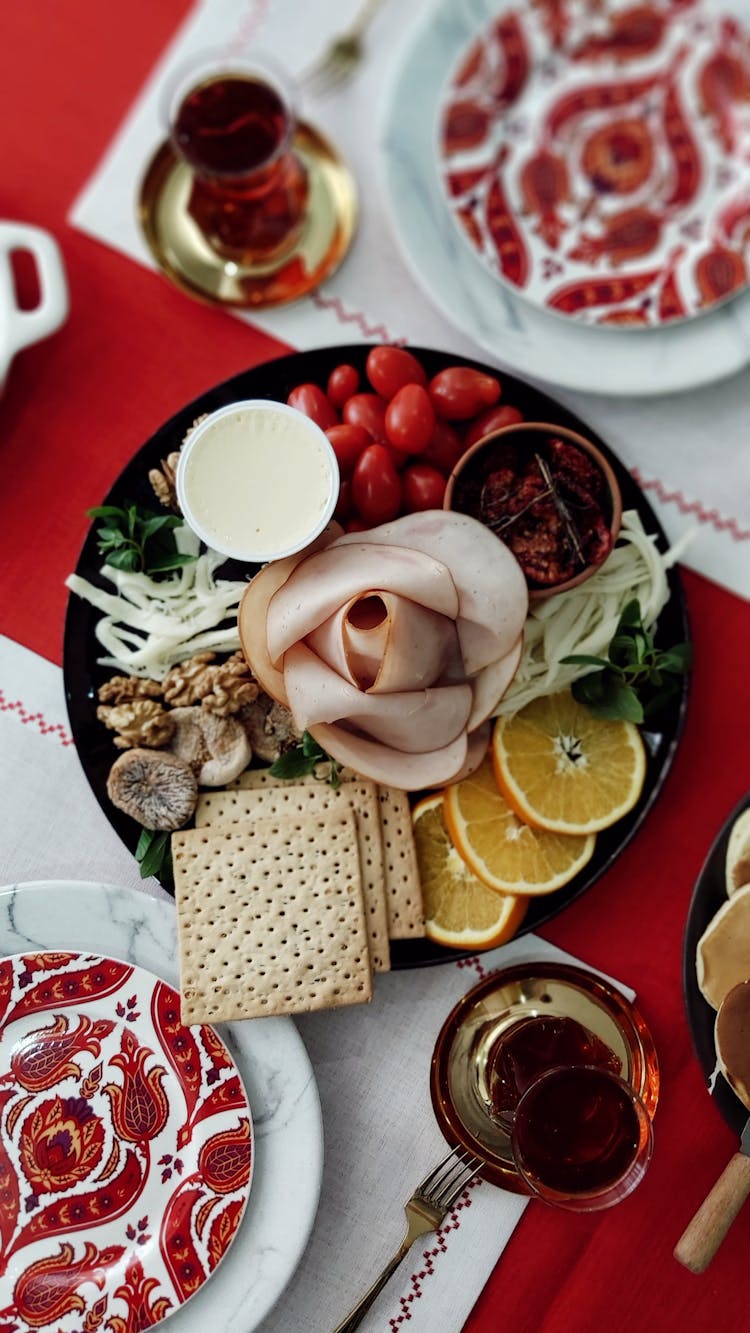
[[126, 924]]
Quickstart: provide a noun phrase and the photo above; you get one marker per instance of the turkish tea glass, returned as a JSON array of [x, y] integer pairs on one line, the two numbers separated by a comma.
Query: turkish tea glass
[[232, 122], [581, 1138], [580, 1135]]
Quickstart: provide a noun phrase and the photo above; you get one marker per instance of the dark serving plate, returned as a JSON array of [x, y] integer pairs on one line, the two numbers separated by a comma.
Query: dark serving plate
[[274, 380], [709, 895]]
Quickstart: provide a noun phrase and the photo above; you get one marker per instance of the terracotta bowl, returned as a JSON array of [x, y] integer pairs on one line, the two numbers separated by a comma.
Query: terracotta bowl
[[491, 449]]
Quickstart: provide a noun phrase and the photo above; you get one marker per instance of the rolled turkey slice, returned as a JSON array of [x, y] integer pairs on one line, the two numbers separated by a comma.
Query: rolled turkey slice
[[389, 767], [489, 684], [492, 591], [253, 610], [327, 580], [414, 722], [383, 643]]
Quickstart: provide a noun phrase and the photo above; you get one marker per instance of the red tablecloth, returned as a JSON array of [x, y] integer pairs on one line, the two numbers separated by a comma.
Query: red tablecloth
[[76, 407]]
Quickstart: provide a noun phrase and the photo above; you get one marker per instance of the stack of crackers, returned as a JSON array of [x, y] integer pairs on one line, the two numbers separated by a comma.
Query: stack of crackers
[[288, 894]]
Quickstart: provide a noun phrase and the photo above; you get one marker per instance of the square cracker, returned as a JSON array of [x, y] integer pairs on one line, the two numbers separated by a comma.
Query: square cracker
[[402, 884], [237, 805], [270, 918]]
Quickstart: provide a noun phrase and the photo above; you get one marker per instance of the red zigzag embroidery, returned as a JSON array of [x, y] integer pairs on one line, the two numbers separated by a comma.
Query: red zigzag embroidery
[[695, 507], [451, 1224], [38, 720], [355, 317]]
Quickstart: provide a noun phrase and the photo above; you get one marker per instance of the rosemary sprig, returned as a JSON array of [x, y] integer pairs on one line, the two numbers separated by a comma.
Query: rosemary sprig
[[562, 509]]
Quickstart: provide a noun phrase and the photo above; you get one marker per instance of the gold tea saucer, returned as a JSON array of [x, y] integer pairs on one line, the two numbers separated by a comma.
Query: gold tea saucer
[[185, 256], [459, 1072]]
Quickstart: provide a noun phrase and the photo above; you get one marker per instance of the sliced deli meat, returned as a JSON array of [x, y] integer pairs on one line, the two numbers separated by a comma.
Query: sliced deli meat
[[381, 642], [320, 584], [492, 590], [253, 612], [413, 721], [392, 647], [389, 767]]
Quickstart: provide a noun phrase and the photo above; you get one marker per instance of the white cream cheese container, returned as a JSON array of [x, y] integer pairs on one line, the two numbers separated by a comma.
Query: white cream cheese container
[[257, 480]]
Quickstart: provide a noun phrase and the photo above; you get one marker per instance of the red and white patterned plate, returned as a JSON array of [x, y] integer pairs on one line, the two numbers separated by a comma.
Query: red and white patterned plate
[[125, 1147], [596, 155]]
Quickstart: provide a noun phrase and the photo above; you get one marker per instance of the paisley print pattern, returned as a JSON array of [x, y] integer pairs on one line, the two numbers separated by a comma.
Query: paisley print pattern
[[594, 155], [125, 1147]]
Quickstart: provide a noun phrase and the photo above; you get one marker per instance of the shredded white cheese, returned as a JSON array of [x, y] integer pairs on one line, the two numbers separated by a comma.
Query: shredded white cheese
[[150, 625], [584, 619]]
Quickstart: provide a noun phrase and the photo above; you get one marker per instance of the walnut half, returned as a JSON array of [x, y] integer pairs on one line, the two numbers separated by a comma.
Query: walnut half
[[138, 722], [232, 686]]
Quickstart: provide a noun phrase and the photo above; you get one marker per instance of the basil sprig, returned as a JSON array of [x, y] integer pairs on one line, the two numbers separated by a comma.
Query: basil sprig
[[153, 854], [636, 679], [303, 758], [135, 539]]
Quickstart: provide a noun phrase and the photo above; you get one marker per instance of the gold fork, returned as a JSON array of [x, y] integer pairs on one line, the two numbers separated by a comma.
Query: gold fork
[[339, 60], [425, 1211]]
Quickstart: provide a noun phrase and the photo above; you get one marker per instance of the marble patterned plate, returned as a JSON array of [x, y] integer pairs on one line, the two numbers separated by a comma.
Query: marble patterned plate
[[684, 354], [275, 1071], [127, 1144], [596, 158]]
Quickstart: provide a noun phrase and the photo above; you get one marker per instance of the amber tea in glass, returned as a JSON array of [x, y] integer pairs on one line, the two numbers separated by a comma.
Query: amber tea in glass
[[234, 128]]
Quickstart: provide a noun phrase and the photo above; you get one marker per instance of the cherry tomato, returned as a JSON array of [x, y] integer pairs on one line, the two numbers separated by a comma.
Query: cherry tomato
[[424, 487], [410, 419], [460, 392], [493, 419], [348, 443], [445, 448], [343, 381], [390, 368], [310, 399], [368, 410], [376, 485], [345, 503], [400, 459]]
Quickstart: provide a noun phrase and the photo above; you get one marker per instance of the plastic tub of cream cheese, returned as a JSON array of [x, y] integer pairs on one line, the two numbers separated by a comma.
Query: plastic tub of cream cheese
[[257, 480]]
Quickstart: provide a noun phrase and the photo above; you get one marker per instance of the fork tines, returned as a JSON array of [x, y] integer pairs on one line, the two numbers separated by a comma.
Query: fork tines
[[442, 1186]]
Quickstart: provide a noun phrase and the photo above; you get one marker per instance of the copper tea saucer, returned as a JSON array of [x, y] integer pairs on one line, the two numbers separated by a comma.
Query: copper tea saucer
[[182, 251], [458, 1076]]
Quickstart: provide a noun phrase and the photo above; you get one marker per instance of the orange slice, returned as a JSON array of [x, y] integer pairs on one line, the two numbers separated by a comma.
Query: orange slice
[[508, 855], [560, 768], [460, 911]]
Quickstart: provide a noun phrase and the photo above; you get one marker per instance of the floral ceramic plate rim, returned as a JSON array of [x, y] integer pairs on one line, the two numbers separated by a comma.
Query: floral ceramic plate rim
[[127, 1142], [675, 357], [276, 1071], [595, 161]]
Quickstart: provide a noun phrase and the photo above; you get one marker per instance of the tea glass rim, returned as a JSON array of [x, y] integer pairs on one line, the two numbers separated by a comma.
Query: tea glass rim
[[615, 1191], [212, 62]]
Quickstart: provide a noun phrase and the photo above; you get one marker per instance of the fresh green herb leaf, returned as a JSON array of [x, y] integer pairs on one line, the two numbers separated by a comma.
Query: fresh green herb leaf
[[135, 539], [167, 562], [302, 759], [636, 679], [153, 853]]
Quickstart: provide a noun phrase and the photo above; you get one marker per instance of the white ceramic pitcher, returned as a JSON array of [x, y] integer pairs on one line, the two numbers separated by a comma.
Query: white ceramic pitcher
[[19, 328]]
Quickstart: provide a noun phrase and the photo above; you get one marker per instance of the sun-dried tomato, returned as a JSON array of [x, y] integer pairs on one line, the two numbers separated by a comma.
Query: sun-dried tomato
[[547, 505]]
